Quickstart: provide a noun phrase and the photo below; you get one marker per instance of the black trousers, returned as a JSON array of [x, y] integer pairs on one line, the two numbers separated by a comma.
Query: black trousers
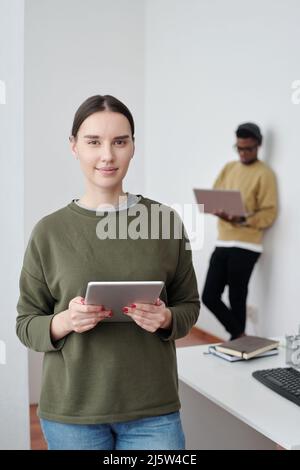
[[232, 267]]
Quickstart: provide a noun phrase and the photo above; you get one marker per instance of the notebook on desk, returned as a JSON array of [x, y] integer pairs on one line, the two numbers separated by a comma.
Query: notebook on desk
[[247, 346], [228, 357]]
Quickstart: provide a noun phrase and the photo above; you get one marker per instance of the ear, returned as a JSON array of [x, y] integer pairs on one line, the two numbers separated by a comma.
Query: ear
[[73, 146], [133, 150]]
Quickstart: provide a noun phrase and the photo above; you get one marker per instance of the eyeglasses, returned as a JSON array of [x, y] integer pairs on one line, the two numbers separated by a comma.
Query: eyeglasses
[[244, 149]]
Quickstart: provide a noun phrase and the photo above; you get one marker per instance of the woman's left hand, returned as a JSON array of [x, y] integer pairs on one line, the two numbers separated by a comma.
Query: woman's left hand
[[150, 317]]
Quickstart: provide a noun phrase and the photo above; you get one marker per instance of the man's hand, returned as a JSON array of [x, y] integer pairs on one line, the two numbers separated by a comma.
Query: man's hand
[[150, 317], [234, 219]]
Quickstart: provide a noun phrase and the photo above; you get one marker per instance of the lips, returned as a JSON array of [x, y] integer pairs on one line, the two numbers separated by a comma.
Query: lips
[[107, 170]]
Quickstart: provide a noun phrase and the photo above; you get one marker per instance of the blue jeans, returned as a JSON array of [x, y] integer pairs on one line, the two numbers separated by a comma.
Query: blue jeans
[[158, 432]]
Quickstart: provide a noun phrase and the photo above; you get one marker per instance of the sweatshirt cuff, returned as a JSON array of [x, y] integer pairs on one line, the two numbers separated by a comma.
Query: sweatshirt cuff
[[56, 345], [41, 336], [169, 334]]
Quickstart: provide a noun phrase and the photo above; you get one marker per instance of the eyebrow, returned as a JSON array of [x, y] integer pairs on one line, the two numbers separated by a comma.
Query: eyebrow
[[126, 136]]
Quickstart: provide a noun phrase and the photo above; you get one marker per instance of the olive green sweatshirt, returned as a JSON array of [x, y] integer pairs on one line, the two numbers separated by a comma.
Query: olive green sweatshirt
[[257, 185], [116, 371]]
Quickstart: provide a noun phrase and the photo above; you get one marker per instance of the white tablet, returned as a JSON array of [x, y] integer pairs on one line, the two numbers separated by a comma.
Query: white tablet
[[116, 295]]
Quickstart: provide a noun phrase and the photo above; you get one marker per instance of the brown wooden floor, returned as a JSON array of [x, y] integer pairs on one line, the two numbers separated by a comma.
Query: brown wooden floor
[[196, 336], [36, 435]]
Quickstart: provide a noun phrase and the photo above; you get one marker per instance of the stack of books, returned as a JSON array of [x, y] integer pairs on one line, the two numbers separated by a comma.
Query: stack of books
[[244, 348]]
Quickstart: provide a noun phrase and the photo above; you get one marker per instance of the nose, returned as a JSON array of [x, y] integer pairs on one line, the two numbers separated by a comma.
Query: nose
[[106, 153]]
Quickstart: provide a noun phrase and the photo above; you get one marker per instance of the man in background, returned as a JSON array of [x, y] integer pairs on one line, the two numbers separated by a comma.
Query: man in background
[[239, 243]]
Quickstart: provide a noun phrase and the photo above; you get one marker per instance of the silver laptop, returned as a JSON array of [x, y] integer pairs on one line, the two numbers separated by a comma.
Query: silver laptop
[[229, 201]]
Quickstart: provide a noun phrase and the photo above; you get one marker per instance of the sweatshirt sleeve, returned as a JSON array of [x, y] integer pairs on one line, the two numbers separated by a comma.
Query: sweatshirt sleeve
[[35, 305], [183, 296], [266, 211], [219, 182]]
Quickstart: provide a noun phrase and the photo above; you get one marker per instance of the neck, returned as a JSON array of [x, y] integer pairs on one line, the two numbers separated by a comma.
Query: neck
[[94, 198], [250, 162]]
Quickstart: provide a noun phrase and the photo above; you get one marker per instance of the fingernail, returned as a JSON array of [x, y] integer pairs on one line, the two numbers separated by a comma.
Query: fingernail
[[82, 301], [132, 305], [125, 309]]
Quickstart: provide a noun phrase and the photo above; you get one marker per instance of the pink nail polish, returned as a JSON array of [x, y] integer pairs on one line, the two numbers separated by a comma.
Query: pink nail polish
[[132, 305], [125, 309]]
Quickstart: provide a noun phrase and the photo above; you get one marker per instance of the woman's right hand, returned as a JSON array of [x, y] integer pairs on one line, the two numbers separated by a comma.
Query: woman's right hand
[[78, 318], [82, 317]]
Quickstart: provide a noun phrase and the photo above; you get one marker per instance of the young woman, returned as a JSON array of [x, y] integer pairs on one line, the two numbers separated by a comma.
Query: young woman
[[106, 385]]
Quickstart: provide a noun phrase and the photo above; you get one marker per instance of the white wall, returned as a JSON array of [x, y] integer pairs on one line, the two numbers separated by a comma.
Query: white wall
[[75, 49], [14, 404], [203, 67], [211, 65]]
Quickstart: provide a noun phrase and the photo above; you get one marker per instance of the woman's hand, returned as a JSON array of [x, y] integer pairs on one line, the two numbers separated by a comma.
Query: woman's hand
[[78, 318], [83, 317], [150, 317]]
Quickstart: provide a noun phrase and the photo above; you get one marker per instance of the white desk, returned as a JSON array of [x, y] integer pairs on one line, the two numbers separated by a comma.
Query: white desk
[[224, 407]]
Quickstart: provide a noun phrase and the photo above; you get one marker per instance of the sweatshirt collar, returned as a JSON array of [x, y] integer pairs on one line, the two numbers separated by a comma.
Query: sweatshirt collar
[[94, 214]]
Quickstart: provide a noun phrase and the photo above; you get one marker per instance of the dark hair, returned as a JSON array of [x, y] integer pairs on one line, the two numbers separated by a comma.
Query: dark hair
[[249, 130], [98, 103]]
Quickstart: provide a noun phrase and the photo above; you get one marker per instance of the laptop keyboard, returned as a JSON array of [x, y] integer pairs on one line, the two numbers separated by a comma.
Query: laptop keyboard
[[283, 380]]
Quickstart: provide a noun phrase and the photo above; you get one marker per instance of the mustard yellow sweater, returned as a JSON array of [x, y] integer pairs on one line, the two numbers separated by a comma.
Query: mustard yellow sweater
[[257, 185]]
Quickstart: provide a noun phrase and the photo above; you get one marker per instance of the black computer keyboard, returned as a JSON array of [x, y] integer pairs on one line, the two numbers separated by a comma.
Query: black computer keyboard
[[284, 380]]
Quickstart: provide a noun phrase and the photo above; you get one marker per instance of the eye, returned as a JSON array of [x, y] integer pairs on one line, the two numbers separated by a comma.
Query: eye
[[93, 142], [120, 143]]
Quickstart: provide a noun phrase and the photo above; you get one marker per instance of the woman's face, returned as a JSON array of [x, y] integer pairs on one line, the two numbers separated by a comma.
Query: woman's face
[[104, 147]]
